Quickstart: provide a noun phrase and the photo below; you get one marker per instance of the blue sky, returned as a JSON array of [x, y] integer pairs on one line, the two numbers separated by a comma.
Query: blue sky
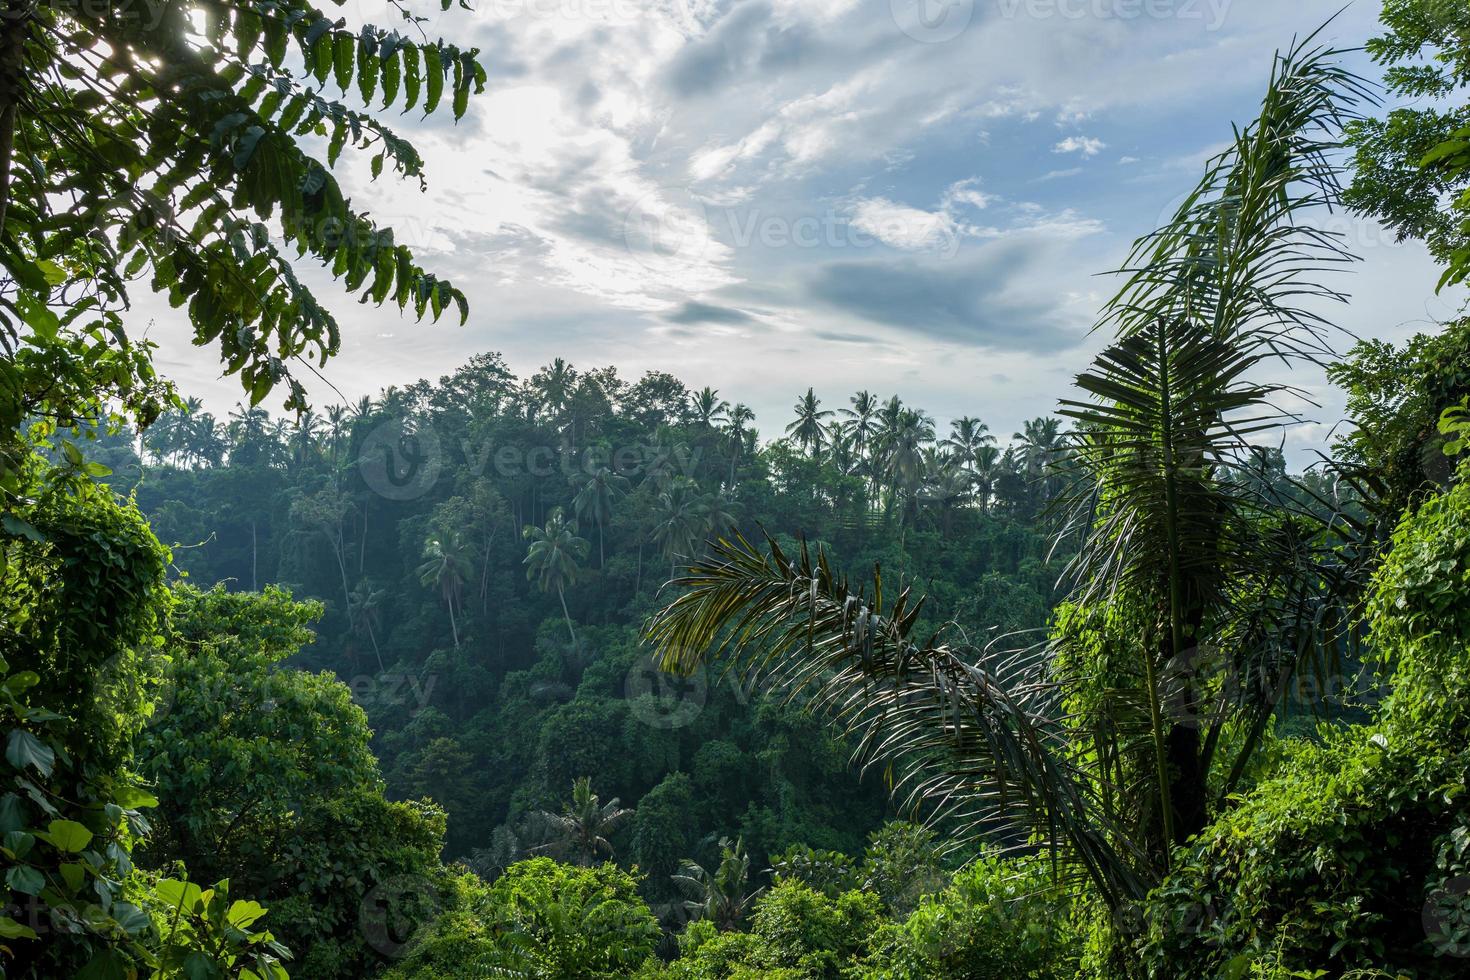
[[908, 196]]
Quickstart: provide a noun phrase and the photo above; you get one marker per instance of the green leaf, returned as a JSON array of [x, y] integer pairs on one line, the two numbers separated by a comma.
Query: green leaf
[[23, 681], [25, 879], [434, 75], [344, 47], [21, 529], [177, 894], [74, 875], [24, 750], [106, 965], [10, 929], [68, 835], [243, 914], [247, 146]]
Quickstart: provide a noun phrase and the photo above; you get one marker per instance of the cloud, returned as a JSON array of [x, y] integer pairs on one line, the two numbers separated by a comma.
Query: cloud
[[1086, 145], [974, 303], [903, 227], [693, 311]]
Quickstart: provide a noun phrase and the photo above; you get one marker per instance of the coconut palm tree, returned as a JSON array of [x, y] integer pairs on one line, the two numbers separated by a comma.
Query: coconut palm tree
[[718, 513], [967, 437], [308, 431], [904, 446], [1183, 559], [808, 430], [446, 570], [723, 896], [1038, 448], [987, 469], [740, 417], [707, 407], [581, 834], [363, 611], [595, 501], [680, 521], [555, 558]]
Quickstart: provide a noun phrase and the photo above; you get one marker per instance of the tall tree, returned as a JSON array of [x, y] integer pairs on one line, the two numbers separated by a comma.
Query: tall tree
[[740, 417], [708, 408], [582, 832], [446, 570], [554, 560], [679, 521], [808, 429], [595, 501]]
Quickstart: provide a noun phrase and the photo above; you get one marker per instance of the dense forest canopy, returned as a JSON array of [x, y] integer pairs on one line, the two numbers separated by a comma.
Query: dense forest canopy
[[580, 675]]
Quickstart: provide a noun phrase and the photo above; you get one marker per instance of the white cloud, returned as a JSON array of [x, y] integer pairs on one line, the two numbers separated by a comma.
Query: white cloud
[[1086, 145]]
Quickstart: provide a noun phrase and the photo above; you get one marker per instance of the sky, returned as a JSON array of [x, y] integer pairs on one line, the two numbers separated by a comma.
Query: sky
[[914, 197]]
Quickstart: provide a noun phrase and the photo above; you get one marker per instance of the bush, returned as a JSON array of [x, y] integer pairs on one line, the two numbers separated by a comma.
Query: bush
[[1346, 859], [540, 919], [998, 918]]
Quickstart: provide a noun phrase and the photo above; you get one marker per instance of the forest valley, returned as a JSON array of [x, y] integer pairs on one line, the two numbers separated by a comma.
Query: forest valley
[[563, 677]]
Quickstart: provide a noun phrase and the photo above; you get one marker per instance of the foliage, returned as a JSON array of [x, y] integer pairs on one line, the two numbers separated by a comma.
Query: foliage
[[544, 920], [1392, 454], [997, 919], [1335, 862], [1427, 67], [581, 831], [174, 141], [81, 596], [266, 778], [796, 933]]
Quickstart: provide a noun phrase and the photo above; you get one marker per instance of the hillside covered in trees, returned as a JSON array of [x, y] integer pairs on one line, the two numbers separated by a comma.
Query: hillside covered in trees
[[579, 676]]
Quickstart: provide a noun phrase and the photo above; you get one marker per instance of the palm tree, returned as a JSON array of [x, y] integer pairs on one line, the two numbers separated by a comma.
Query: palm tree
[[555, 558], [718, 513], [1037, 448], [363, 607], [582, 832], [1176, 559], [904, 444], [987, 469], [554, 386], [720, 897], [680, 521], [595, 500], [708, 408], [862, 426], [336, 429], [446, 569], [861, 421], [967, 437], [808, 430], [740, 417], [308, 429]]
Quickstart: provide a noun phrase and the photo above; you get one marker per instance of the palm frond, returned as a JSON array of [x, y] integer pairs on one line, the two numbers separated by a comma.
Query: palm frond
[[964, 735]]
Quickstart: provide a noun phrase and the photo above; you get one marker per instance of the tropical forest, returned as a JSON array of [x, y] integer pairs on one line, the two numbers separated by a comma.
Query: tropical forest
[[487, 560]]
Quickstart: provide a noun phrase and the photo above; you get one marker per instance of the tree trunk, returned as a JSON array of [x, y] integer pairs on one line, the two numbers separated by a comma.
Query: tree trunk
[[453, 626], [561, 594], [254, 555], [376, 652]]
